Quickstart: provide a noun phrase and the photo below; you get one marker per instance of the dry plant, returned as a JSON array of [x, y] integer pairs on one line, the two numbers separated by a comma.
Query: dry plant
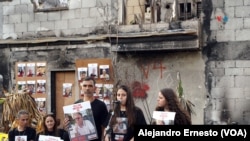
[[14, 102], [186, 104]]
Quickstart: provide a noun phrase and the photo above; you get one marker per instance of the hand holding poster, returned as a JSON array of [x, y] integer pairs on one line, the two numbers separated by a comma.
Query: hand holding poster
[[82, 124], [163, 118], [49, 138]]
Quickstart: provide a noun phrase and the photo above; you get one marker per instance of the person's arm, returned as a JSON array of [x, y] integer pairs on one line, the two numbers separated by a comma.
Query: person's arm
[[65, 136], [106, 136], [32, 134], [90, 126], [37, 137], [140, 119], [66, 123], [11, 136], [105, 117]]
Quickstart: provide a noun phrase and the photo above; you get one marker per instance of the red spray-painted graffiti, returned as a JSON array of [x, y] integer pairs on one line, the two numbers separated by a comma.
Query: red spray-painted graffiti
[[146, 68], [159, 66], [139, 90], [222, 19]]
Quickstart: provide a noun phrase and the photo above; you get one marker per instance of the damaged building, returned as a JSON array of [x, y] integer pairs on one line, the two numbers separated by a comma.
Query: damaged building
[[147, 44]]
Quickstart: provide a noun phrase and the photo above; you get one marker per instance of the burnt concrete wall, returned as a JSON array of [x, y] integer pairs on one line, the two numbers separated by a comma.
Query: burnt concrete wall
[[226, 30], [146, 72], [215, 79], [149, 72], [81, 19]]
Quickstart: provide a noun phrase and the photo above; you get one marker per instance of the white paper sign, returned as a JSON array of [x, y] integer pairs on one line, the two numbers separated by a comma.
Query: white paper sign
[[49, 138], [159, 115]]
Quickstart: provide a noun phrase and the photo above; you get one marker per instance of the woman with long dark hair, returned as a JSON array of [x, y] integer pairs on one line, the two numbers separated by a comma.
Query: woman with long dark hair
[[125, 113], [168, 101], [49, 128]]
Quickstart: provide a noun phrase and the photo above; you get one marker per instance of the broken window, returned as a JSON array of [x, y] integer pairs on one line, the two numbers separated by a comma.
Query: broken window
[[159, 11], [50, 5]]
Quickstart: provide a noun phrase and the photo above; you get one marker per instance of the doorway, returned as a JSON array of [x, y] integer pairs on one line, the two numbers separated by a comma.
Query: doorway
[[58, 100]]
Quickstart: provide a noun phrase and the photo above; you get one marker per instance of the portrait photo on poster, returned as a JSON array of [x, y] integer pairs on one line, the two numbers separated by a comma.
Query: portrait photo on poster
[[82, 124], [93, 70], [30, 69], [41, 105], [163, 118], [40, 69], [41, 86], [104, 72], [21, 86], [107, 90], [21, 67], [99, 91], [67, 89], [20, 138], [31, 86], [82, 73], [121, 125]]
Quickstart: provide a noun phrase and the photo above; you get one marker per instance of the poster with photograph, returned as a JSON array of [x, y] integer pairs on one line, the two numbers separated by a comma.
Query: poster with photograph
[[107, 94], [49, 138], [41, 105], [30, 69], [40, 69], [81, 92], [67, 89], [21, 67], [82, 125], [82, 73], [107, 90], [31, 85], [163, 118], [41, 86], [99, 91], [21, 86], [93, 70], [120, 125], [104, 72], [21, 138]]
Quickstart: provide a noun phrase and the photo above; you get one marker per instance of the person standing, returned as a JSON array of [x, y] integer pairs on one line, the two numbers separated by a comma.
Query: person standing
[[23, 130], [98, 107], [168, 101], [125, 108], [49, 128]]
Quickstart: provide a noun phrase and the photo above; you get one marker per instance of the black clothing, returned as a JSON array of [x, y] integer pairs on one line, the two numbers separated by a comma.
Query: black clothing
[[29, 132], [59, 133], [140, 120], [100, 114]]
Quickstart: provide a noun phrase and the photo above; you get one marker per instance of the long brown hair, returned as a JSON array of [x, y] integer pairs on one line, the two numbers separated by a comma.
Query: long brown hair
[[43, 128], [130, 107], [173, 104]]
